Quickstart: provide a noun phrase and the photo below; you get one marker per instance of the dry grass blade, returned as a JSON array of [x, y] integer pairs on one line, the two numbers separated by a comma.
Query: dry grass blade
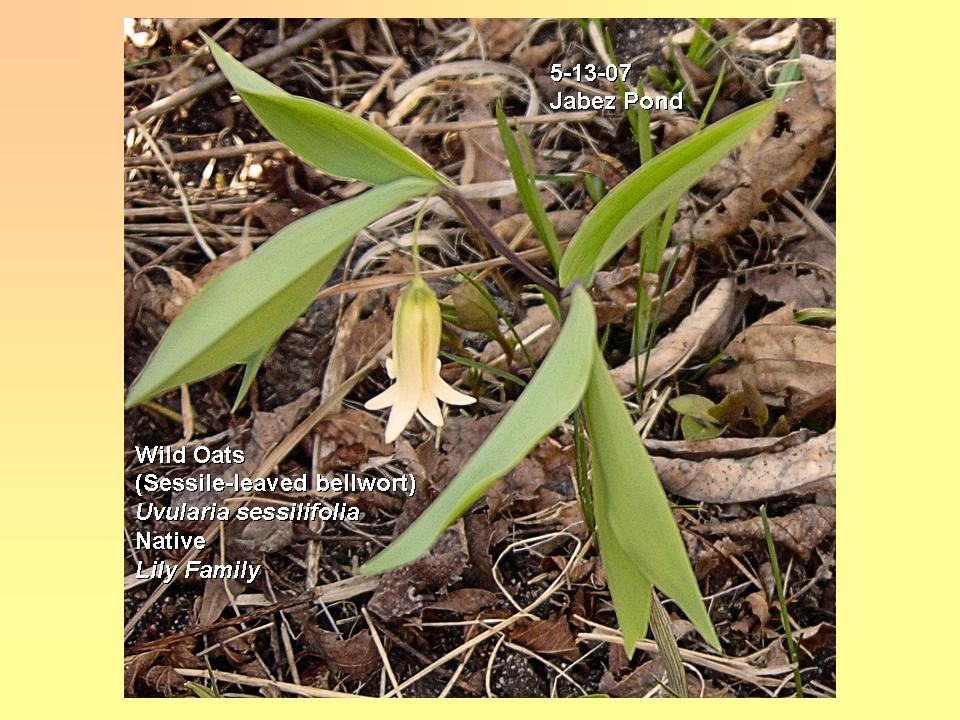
[[249, 681], [765, 679]]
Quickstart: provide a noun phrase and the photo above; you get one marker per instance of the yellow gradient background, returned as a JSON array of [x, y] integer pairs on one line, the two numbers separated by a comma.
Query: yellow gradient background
[[61, 365]]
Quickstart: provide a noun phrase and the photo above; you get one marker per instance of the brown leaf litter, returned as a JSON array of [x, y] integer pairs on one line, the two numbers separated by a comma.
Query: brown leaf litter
[[353, 659], [402, 591], [348, 438], [729, 447], [551, 637], [501, 36], [529, 487], [258, 436], [804, 274], [801, 469], [614, 291], [697, 335], [801, 531], [792, 364], [650, 680], [465, 601], [777, 157]]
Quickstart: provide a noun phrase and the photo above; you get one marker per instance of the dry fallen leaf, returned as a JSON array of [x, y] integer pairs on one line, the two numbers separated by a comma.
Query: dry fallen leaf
[[216, 598], [166, 681], [724, 447], [500, 36], [615, 291], [358, 31], [759, 606], [792, 364], [465, 601], [771, 44], [649, 680], [180, 292], [806, 276], [134, 667], [224, 260], [548, 637], [820, 635], [535, 56], [698, 334], [354, 659], [822, 76], [805, 468], [713, 558], [774, 159], [639, 682], [400, 592], [518, 232], [183, 288], [348, 438], [800, 531], [483, 155], [249, 540], [257, 437], [519, 487], [181, 28], [538, 330]]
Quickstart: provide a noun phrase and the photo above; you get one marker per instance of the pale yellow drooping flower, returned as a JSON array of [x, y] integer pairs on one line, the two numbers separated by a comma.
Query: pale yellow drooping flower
[[415, 366]]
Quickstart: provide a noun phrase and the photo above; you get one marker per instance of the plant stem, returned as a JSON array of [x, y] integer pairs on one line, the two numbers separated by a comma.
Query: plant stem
[[669, 652], [655, 324], [459, 203], [584, 491], [417, 224], [784, 618]]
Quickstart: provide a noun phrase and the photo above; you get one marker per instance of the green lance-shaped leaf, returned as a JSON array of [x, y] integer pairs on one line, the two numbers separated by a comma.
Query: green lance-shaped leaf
[[250, 304], [551, 396], [647, 192], [629, 587], [253, 364], [636, 506], [521, 167], [340, 144]]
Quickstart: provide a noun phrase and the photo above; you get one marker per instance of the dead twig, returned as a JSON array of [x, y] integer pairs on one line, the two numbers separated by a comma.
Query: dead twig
[[401, 131], [262, 59], [184, 201], [292, 688], [333, 592]]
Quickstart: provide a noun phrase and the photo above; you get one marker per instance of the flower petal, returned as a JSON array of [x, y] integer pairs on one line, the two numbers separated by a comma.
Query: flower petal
[[430, 409], [440, 389], [400, 415], [384, 399]]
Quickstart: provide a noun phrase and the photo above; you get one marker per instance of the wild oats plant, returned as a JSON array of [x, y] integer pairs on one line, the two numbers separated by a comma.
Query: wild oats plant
[[238, 317]]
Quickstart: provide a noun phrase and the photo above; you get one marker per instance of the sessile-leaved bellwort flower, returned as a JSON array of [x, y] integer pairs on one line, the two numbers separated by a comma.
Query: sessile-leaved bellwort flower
[[415, 366]]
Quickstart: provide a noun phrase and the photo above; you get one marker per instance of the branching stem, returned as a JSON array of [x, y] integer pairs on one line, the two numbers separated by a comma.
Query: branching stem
[[459, 203]]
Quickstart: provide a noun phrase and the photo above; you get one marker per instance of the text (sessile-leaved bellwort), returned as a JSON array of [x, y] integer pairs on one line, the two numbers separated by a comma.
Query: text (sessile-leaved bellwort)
[[414, 366]]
